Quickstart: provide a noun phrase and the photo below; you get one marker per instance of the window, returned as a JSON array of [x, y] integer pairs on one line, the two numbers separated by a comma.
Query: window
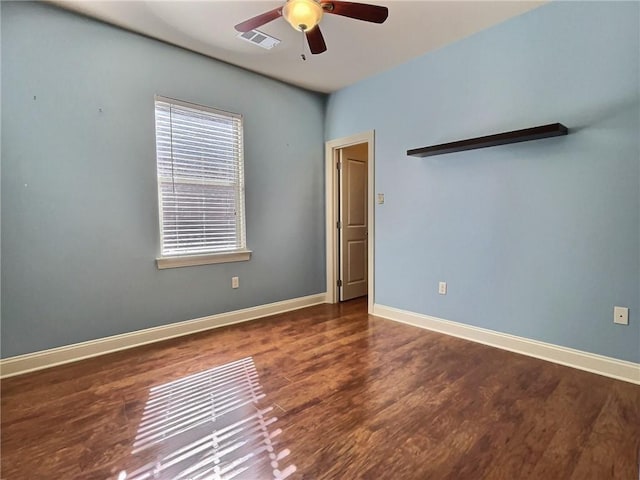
[[200, 184]]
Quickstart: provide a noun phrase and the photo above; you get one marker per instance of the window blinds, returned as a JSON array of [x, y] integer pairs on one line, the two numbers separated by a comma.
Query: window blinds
[[200, 178]]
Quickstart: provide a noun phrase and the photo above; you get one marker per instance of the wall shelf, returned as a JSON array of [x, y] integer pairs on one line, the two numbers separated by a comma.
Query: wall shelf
[[524, 135]]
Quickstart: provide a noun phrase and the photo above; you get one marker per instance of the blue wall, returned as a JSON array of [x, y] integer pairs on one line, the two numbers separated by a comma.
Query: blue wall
[[537, 239], [79, 195]]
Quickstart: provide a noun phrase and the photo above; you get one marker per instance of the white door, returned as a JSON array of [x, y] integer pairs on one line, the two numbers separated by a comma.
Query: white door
[[353, 231]]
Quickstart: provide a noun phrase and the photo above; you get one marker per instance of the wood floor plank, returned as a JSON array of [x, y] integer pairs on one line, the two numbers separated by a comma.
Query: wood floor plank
[[62, 440], [615, 436], [338, 393]]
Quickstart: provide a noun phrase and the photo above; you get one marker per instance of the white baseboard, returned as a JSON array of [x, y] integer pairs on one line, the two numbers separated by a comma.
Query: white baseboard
[[607, 366], [57, 356]]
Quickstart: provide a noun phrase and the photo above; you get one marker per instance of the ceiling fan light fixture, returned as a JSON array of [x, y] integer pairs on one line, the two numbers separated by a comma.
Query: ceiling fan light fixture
[[302, 15]]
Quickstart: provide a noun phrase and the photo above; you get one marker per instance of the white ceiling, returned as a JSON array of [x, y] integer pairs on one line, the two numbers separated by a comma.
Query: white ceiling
[[356, 49]]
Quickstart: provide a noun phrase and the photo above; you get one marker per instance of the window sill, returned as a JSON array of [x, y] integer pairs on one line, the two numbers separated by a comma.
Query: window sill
[[193, 260]]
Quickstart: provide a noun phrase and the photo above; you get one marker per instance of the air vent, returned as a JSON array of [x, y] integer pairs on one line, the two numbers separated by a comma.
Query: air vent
[[259, 38]]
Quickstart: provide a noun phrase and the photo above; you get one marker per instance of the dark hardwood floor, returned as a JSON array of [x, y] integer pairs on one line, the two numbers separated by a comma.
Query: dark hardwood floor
[[326, 392]]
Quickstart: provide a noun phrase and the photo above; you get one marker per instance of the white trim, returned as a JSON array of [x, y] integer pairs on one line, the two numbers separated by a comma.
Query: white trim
[[57, 356], [331, 212], [196, 106], [209, 258], [591, 362]]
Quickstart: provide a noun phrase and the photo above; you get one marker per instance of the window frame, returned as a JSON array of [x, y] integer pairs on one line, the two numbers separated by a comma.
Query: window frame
[[191, 259]]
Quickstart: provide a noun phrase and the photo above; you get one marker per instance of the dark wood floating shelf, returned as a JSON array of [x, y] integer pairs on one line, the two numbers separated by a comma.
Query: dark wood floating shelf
[[524, 135]]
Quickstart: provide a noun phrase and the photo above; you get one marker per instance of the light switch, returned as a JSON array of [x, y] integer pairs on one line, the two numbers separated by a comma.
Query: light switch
[[380, 198]]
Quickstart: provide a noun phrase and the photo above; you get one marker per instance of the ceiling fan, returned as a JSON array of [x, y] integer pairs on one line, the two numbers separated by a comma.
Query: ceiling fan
[[304, 16]]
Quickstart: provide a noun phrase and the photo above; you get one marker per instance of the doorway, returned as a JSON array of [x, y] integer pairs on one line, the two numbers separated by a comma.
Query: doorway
[[350, 218]]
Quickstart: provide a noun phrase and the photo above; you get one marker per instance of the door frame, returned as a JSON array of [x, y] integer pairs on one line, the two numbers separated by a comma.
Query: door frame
[[332, 214]]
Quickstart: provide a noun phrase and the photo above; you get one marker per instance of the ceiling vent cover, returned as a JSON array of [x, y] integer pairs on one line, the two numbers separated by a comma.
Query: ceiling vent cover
[[259, 38]]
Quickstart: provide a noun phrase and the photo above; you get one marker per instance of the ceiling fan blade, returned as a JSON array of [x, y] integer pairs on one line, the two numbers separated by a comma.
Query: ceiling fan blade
[[316, 40], [259, 20], [359, 11]]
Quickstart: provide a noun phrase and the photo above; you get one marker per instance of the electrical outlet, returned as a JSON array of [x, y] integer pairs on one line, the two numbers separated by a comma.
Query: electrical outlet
[[235, 282], [621, 315], [442, 288]]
